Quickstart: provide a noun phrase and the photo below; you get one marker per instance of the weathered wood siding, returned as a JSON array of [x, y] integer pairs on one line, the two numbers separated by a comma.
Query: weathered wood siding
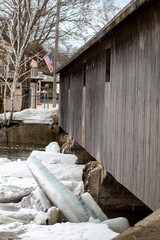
[[118, 122]]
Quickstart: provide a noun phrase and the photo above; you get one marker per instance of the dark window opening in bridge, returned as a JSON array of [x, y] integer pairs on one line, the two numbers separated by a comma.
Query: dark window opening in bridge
[[84, 75], [69, 80], [108, 59]]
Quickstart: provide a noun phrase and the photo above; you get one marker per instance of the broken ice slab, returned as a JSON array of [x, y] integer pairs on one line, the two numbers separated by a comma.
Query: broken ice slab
[[13, 194], [36, 200], [54, 157], [58, 194], [52, 147], [7, 220], [54, 215], [118, 225], [22, 215], [93, 207]]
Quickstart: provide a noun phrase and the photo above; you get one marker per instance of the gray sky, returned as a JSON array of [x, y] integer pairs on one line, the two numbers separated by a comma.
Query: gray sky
[[122, 3]]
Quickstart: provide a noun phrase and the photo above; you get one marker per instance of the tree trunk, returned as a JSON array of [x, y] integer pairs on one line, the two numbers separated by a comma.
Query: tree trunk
[[15, 80], [4, 105], [55, 59]]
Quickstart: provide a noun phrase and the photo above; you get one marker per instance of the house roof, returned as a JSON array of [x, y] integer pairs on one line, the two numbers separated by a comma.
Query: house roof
[[131, 10], [44, 78]]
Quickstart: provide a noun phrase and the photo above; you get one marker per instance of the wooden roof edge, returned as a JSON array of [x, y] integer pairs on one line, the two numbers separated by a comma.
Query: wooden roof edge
[[124, 14]]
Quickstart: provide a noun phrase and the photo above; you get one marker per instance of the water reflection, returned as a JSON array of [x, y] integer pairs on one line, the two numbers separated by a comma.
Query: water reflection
[[19, 151]]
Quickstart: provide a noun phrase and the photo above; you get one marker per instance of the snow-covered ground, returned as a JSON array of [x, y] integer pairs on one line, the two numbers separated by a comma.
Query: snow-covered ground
[[35, 116], [27, 219]]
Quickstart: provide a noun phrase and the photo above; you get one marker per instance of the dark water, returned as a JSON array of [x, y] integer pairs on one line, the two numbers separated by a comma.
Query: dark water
[[18, 151], [19, 142]]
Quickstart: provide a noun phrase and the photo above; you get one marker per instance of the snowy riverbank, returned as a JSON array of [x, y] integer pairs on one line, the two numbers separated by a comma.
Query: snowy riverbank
[[26, 219], [34, 116]]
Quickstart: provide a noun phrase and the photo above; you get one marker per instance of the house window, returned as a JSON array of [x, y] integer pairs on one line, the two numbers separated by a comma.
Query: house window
[[108, 59], [7, 91], [84, 75]]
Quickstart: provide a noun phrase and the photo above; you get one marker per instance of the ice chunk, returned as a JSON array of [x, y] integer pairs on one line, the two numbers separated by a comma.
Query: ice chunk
[[76, 187], [41, 218], [14, 169], [55, 157], [24, 215], [6, 220], [60, 195], [118, 225], [93, 206], [36, 200], [54, 215], [4, 160], [51, 217], [13, 194], [53, 147]]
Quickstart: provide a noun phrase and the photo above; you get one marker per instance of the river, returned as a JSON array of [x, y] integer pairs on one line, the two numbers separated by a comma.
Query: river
[[18, 151], [18, 142]]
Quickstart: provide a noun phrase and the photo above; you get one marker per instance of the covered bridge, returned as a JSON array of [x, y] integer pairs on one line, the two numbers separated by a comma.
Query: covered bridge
[[110, 98]]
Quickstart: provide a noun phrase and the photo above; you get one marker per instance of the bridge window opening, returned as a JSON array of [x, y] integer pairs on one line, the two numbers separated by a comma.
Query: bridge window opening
[[69, 80], [108, 59]]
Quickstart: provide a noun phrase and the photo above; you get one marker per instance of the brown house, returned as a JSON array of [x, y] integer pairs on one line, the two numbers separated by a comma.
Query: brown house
[[110, 98], [19, 93]]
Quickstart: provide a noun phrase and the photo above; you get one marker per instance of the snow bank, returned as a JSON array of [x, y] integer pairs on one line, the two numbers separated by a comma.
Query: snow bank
[[68, 231], [35, 116]]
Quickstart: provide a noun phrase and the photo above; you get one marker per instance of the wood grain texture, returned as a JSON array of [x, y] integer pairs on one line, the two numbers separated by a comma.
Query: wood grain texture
[[118, 122]]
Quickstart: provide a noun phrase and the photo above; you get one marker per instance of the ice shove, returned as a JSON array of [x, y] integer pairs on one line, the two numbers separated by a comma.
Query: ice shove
[[22, 215], [53, 147], [50, 217], [118, 225], [93, 207], [13, 194], [58, 194], [54, 157], [36, 200]]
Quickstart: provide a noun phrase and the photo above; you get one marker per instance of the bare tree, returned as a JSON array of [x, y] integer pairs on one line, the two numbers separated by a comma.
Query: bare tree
[[22, 23], [104, 11], [80, 20]]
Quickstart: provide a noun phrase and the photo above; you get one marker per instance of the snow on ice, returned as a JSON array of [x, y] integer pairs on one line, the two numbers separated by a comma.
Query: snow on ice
[[25, 209]]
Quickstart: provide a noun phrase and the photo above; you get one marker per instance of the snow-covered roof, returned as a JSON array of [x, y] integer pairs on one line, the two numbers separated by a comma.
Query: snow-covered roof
[[45, 78]]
